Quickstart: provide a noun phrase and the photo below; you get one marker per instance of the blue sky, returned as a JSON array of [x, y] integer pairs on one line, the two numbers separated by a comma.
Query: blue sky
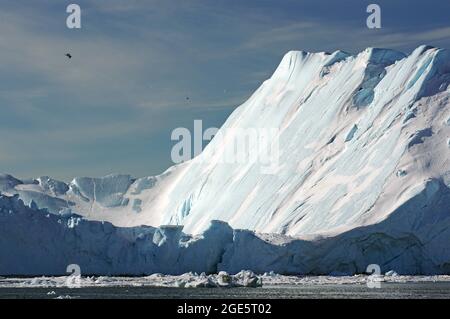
[[113, 107]]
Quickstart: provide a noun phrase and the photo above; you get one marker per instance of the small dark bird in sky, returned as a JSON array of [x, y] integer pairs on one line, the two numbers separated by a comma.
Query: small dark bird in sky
[[187, 98], [69, 55]]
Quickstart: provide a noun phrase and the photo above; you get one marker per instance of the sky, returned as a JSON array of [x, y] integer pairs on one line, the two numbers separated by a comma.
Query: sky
[[113, 106]]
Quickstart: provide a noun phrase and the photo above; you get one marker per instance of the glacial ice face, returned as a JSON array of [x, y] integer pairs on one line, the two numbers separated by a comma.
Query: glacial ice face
[[100, 248], [337, 161], [347, 125], [364, 159], [33, 242]]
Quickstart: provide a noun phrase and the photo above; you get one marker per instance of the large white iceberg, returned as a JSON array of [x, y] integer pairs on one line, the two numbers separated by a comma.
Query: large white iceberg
[[363, 177]]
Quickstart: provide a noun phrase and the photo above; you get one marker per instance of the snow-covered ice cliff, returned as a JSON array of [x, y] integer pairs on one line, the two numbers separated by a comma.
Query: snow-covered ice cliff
[[363, 177]]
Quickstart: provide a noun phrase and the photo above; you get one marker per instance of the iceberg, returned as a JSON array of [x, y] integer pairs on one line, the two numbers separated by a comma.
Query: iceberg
[[362, 177]]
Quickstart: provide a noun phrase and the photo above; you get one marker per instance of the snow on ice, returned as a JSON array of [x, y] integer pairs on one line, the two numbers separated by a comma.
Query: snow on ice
[[364, 178]]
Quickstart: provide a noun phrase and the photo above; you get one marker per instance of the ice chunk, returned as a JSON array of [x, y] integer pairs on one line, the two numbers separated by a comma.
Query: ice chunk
[[224, 279], [391, 273], [246, 278], [198, 282]]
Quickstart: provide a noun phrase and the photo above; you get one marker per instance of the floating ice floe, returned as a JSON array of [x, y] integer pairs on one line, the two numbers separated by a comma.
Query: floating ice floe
[[193, 280]]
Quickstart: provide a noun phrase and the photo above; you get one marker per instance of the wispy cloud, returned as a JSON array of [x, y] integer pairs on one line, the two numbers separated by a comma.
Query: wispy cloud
[[402, 39]]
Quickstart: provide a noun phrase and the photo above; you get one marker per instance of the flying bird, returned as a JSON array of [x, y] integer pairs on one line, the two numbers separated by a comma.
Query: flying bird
[[69, 55]]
